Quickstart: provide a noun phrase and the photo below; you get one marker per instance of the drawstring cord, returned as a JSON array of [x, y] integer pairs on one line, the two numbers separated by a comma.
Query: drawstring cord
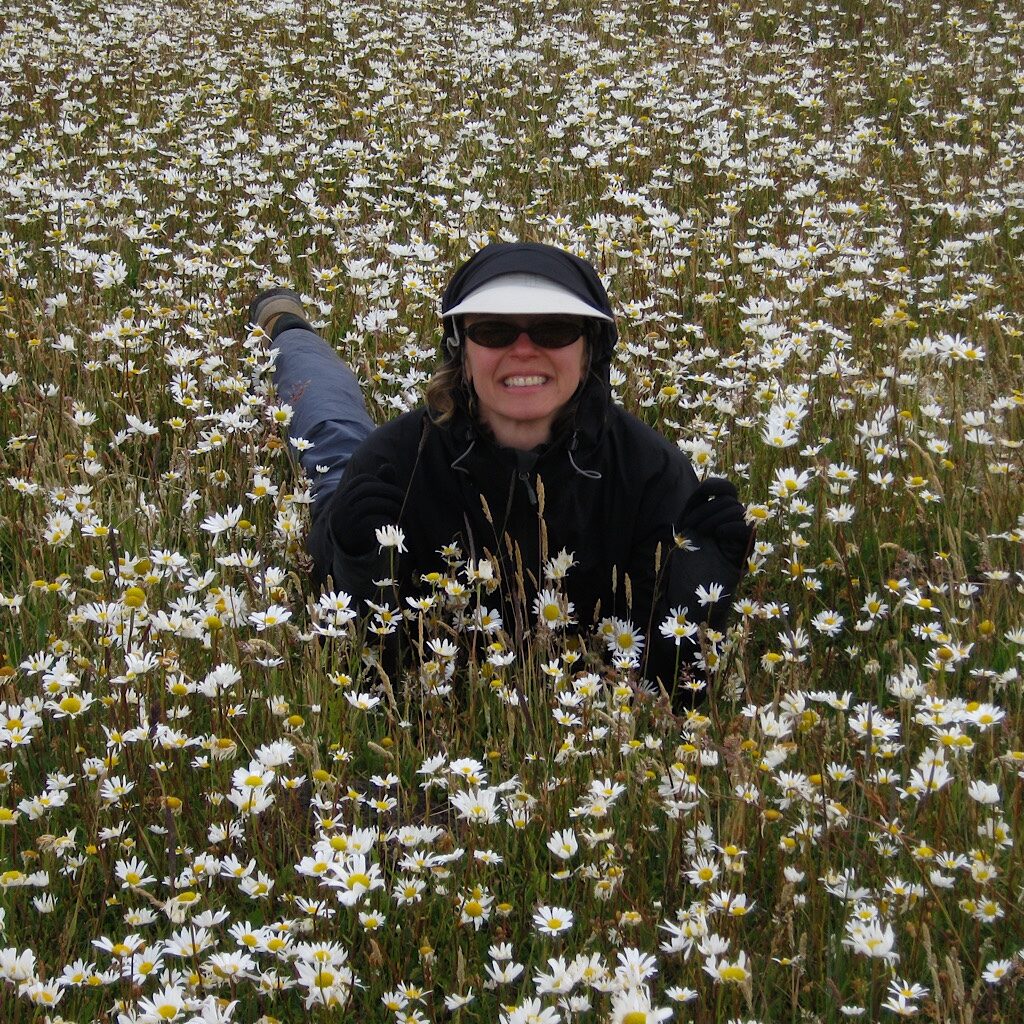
[[455, 465], [590, 474]]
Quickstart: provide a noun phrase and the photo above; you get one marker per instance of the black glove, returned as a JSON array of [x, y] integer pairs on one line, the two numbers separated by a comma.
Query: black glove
[[367, 503], [714, 510]]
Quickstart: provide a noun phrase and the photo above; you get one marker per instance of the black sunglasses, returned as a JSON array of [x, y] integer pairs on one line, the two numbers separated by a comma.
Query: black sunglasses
[[543, 333]]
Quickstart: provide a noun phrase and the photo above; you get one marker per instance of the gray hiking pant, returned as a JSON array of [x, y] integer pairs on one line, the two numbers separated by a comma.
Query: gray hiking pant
[[328, 405]]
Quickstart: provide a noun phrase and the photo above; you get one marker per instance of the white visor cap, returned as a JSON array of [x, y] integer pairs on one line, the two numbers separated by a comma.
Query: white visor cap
[[525, 294]]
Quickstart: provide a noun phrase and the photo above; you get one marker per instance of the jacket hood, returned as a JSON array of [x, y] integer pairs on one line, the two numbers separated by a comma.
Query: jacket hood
[[563, 268]]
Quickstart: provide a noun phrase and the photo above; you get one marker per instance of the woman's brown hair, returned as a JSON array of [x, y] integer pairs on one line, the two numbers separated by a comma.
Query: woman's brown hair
[[441, 391]]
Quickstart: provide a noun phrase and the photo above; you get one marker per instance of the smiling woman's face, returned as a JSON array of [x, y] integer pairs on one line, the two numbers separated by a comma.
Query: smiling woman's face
[[522, 388]]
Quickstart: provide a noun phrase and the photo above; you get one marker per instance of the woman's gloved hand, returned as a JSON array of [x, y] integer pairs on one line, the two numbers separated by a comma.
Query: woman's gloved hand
[[370, 502], [714, 510]]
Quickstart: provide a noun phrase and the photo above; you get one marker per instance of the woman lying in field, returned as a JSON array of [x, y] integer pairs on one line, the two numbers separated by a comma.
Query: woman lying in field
[[521, 462]]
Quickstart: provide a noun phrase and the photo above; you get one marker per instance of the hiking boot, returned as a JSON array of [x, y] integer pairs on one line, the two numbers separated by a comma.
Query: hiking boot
[[272, 303]]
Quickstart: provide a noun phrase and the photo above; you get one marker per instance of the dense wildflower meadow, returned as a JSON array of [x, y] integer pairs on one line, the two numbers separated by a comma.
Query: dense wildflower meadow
[[216, 806]]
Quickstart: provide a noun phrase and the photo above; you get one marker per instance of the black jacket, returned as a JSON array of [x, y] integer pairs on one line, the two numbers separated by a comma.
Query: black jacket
[[612, 491]]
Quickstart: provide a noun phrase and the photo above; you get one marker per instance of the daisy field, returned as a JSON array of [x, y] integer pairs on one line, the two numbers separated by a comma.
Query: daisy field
[[216, 805]]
